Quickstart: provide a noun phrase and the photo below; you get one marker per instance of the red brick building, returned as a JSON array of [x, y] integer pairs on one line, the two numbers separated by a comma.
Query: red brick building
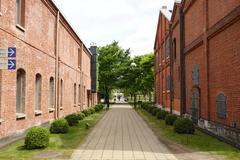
[[205, 62], [53, 75]]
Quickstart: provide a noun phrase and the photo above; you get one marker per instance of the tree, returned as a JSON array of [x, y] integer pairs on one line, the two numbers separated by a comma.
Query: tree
[[113, 62]]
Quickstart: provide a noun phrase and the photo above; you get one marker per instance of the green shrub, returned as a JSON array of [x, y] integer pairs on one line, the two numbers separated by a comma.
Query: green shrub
[[184, 125], [37, 138], [162, 114], [170, 119], [155, 111], [59, 126], [86, 112], [92, 110], [80, 115], [99, 107], [72, 119], [150, 109]]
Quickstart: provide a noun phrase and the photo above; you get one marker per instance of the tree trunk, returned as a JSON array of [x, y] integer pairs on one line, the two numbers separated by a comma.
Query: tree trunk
[[135, 99], [107, 99]]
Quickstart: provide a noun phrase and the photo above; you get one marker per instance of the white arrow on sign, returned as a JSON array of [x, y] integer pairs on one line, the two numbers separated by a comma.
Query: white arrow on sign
[[11, 64], [11, 51]]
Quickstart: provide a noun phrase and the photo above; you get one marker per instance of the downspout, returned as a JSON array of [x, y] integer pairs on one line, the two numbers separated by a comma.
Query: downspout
[[182, 63], [57, 69], [171, 68]]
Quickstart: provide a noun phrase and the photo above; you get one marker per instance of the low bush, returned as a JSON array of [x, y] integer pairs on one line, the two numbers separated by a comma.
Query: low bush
[[37, 138], [150, 109], [170, 119], [92, 110], [59, 126], [72, 119], [155, 111], [184, 125], [86, 112], [162, 114], [80, 115]]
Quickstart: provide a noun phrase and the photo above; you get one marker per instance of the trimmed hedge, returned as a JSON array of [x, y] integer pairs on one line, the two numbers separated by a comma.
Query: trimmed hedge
[[155, 111], [99, 107], [37, 138], [86, 112], [162, 114], [184, 125], [59, 126], [92, 110], [80, 115], [72, 119], [170, 119]]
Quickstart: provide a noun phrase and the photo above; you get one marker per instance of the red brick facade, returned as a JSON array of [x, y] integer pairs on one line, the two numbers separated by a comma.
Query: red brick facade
[[46, 45], [211, 64]]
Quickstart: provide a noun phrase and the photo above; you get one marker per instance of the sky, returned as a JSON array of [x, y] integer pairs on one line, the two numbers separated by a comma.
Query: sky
[[132, 23]]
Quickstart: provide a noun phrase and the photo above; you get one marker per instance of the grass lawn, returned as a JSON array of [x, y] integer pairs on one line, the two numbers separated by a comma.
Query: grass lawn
[[61, 145], [199, 141]]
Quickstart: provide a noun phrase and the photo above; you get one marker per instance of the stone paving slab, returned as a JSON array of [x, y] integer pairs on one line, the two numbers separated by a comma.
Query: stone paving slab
[[122, 135]]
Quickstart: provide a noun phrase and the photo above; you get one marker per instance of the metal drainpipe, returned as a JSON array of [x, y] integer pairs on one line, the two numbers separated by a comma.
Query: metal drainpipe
[[57, 70], [182, 63], [171, 68]]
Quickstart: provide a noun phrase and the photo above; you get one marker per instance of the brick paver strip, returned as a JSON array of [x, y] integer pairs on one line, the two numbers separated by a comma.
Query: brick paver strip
[[122, 135]]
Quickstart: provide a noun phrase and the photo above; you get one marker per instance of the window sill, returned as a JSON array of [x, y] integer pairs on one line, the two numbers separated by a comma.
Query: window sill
[[20, 116], [1, 14], [61, 108], [50, 110], [20, 27], [1, 120], [168, 91], [38, 113], [75, 105]]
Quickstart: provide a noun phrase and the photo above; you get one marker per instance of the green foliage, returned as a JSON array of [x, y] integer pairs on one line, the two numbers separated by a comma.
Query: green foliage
[[86, 112], [150, 109], [92, 110], [80, 115], [72, 119], [162, 114], [37, 138], [155, 111], [59, 126], [170, 119], [113, 63], [98, 107], [184, 125]]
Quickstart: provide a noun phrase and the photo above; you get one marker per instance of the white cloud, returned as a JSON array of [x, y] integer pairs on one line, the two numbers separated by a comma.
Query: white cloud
[[131, 22]]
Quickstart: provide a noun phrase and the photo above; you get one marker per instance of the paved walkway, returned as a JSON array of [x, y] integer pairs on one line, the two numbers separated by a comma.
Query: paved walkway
[[122, 135]]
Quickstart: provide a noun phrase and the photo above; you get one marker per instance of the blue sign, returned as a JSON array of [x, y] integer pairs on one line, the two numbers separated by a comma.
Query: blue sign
[[12, 52], [11, 64]]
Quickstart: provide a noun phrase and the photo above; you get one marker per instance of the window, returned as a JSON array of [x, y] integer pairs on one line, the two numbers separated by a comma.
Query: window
[[0, 7], [174, 50], [221, 105], [168, 47], [20, 12], [38, 85], [163, 52], [79, 58], [156, 60], [20, 91], [75, 93], [51, 93], [84, 93], [168, 82], [195, 75], [79, 94], [61, 93]]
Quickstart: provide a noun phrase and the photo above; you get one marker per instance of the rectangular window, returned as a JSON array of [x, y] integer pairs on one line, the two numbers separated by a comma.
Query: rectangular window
[[168, 82], [61, 93], [75, 93], [20, 92], [168, 48], [163, 52], [156, 60], [20, 12], [84, 94], [79, 94], [174, 50], [38, 83], [0, 7], [51, 93]]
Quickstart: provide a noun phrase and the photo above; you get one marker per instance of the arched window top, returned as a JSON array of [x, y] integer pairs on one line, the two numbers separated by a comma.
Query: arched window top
[[221, 105], [38, 75], [21, 71]]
